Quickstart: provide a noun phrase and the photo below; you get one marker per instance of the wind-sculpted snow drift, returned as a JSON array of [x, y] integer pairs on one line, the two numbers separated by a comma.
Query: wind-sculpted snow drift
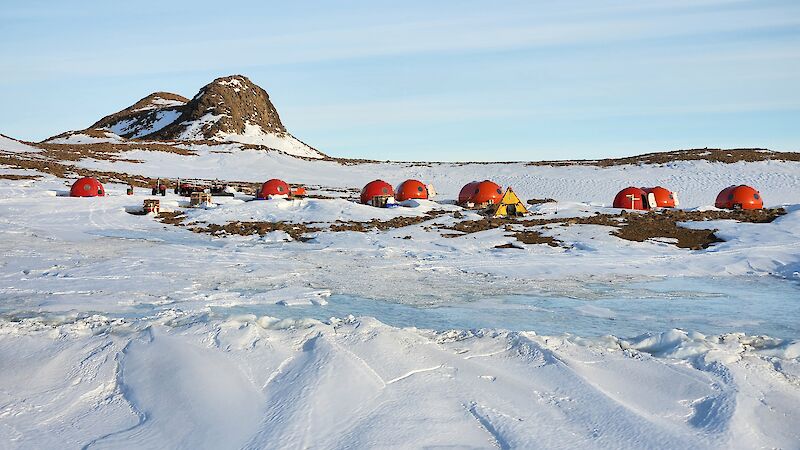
[[186, 381]]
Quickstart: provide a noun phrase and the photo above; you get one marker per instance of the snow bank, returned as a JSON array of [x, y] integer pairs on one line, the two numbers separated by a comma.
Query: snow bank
[[313, 211], [726, 348]]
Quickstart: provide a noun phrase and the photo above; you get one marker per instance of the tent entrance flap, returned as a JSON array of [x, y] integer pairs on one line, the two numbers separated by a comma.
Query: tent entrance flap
[[509, 206]]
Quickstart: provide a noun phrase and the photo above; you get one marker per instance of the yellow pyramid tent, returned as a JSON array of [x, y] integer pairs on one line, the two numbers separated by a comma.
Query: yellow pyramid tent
[[509, 206]]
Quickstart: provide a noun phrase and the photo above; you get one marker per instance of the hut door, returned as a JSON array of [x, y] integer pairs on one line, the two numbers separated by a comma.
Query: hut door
[[651, 201]]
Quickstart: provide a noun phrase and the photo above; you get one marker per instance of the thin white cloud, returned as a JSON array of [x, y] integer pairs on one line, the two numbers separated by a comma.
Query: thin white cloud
[[551, 26]]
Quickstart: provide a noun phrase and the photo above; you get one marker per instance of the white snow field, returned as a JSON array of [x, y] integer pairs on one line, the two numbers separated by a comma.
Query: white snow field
[[119, 331]]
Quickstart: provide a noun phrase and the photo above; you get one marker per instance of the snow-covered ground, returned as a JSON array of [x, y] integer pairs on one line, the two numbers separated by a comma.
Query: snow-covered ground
[[118, 331]]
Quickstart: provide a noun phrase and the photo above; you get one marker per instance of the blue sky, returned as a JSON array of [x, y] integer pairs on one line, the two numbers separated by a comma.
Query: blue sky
[[466, 80]]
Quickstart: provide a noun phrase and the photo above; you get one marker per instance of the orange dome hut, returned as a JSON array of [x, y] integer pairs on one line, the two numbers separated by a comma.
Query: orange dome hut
[[663, 197], [87, 187], [739, 197], [631, 198], [272, 188], [411, 189], [481, 193], [376, 193]]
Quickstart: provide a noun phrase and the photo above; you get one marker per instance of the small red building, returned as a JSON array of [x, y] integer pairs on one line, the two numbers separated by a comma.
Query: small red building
[[272, 188], [411, 189], [631, 198], [87, 187], [481, 193], [739, 197], [376, 193], [664, 198]]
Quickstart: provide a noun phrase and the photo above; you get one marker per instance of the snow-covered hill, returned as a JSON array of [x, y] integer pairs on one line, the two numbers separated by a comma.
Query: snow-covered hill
[[229, 109]]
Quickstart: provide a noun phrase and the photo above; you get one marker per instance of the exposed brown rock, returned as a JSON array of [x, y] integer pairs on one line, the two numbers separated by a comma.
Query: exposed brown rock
[[236, 100], [508, 245], [535, 237], [106, 150], [7, 176], [296, 230], [539, 201], [172, 217], [382, 225]]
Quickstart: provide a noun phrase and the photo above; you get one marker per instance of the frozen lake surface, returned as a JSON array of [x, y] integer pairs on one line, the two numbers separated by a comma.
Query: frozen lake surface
[[754, 305]]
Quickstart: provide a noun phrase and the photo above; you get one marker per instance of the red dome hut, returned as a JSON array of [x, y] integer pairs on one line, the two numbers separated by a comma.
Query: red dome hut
[[631, 198], [664, 198], [739, 197], [466, 192], [411, 189], [481, 193], [376, 192], [87, 187], [272, 188]]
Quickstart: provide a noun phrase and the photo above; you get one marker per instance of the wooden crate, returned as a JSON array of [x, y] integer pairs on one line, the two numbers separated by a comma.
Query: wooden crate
[[200, 199], [152, 206]]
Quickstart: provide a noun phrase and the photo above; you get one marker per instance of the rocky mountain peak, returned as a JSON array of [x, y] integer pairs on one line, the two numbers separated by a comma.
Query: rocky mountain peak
[[231, 105]]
